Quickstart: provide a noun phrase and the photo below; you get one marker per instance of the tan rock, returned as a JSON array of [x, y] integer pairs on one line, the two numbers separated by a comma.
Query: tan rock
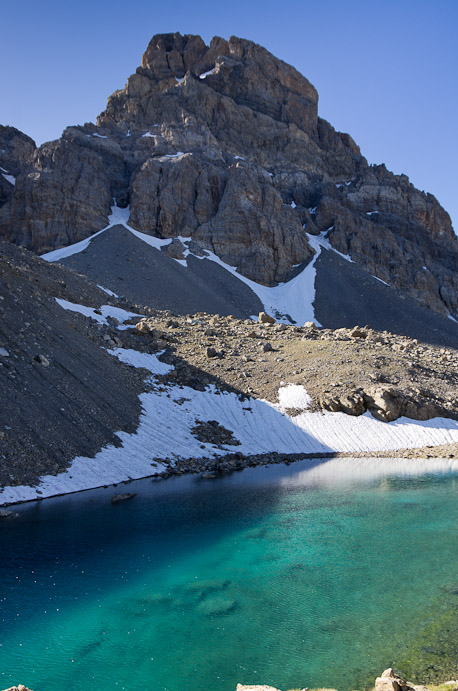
[[390, 681], [265, 318]]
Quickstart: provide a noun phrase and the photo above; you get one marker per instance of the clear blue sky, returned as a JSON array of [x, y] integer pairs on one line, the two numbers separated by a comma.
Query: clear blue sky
[[386, 70]]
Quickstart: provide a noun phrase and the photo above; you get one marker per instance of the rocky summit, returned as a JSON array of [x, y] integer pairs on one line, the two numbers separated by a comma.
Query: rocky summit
[[222, 144]]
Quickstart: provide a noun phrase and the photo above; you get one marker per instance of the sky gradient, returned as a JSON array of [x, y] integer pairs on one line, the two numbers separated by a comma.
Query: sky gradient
[[386, 72]]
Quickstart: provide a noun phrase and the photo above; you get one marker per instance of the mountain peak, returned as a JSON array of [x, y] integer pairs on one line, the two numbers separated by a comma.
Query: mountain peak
[[222, 144], [237, 68]]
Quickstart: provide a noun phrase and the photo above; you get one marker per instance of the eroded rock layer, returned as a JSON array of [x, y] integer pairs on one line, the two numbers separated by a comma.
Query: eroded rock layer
[[223, 143]]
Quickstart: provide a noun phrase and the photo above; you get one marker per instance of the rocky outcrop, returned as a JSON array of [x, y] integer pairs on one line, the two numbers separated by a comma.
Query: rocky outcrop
[[388, 681], [65, 198], [223, 143], [16, 153], [387, 403]]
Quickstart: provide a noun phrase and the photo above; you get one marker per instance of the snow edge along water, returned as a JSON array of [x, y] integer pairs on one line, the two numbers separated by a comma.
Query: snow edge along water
[[169, 413]]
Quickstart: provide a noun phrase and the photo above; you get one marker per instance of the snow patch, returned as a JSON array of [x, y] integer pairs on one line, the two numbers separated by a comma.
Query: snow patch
[[150, 240], [293, 396], [322, 241], [379, 279], [145, 360], [371, 213], [107, 291], [100, 136], [293, 204], [294, 298], [106, 311], [452, 318], [9, 178], [206, 74], [118, 216], [149, 134]]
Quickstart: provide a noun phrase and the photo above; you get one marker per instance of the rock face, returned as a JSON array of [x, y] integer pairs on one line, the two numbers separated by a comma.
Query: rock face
[[223, 143]]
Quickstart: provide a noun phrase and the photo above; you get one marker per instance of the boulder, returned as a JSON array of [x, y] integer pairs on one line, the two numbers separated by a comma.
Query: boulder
[[390, 681], [351, 404], [118, 498], [265, 318]]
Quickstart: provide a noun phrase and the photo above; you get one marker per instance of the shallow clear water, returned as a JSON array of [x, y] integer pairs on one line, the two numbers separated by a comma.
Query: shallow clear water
[[270, 576]]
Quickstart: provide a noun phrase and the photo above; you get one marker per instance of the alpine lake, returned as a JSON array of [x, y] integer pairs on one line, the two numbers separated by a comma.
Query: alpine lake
[[317, 574]]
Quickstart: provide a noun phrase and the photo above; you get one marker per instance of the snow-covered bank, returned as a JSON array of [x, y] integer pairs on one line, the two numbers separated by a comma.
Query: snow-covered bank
[[170, 413]]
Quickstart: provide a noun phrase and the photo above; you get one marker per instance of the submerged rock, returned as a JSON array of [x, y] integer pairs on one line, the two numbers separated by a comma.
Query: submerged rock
[[218, 605], [5, 513], [118, 498]]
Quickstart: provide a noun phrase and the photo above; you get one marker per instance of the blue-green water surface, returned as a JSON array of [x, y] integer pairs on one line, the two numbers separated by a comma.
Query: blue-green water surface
[[265, 577]]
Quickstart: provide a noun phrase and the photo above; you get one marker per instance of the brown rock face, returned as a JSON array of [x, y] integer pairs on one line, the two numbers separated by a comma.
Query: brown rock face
[[63, 199], [223, 143]]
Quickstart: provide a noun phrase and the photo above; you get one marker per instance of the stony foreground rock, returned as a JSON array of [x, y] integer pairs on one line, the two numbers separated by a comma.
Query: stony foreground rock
[[204, 142], [388, 681]]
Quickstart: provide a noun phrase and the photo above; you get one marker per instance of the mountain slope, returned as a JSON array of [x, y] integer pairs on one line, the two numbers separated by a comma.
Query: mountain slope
[[62, 394]]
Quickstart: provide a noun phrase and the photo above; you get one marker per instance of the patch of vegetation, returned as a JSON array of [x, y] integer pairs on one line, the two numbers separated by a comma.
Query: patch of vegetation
[[432, 657]]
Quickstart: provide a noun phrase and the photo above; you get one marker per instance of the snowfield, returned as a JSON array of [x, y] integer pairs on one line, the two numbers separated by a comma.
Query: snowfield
[[169, 413]]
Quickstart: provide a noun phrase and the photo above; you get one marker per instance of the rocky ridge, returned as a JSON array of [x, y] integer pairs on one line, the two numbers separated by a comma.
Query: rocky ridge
[[223, 143]]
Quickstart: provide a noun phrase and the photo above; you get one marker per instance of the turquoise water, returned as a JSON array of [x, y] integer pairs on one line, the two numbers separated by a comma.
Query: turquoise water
[[267, 577]]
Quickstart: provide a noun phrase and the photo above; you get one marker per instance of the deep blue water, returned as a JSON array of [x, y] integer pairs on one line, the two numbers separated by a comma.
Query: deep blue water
[[269, 576]]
